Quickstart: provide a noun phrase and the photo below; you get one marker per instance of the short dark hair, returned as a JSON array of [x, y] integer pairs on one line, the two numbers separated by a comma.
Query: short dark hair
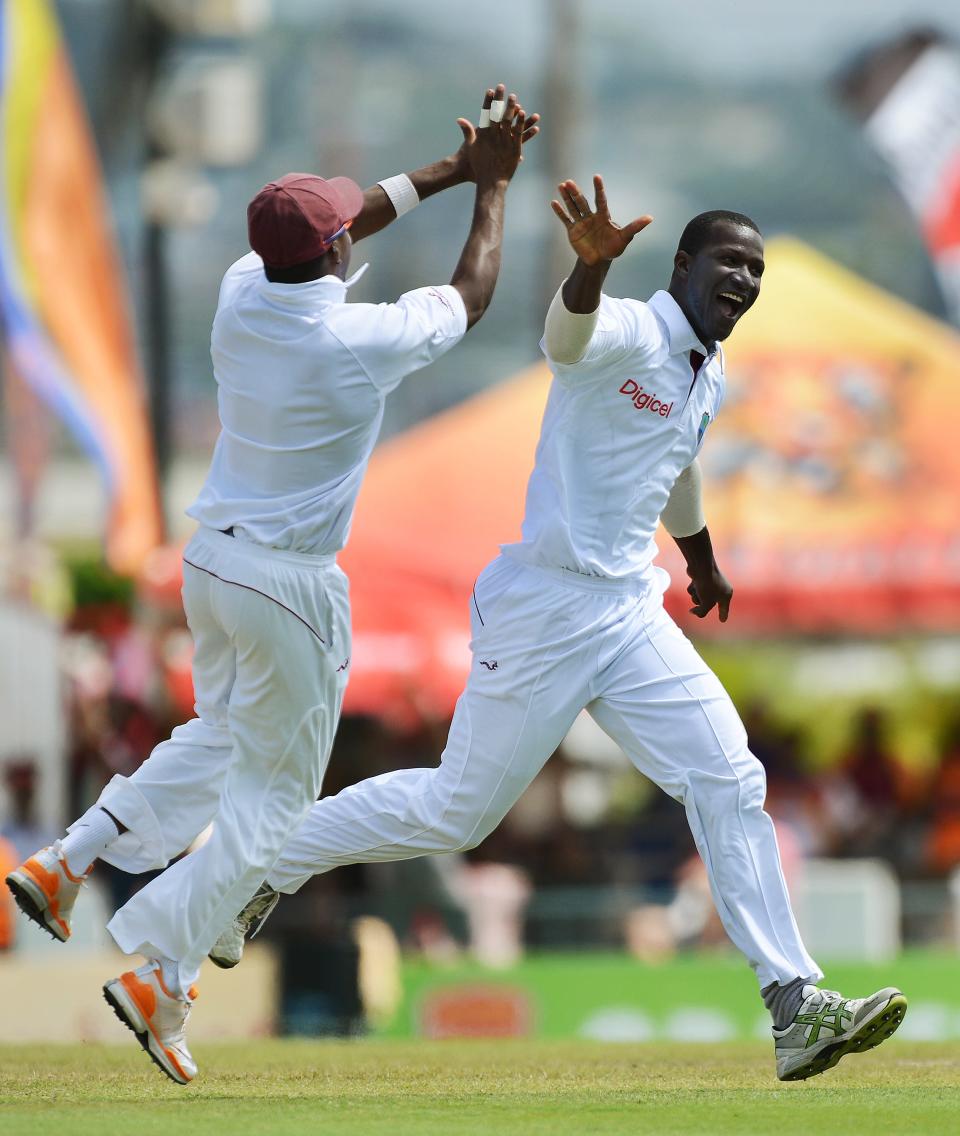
[[697, 232], [306, 270]]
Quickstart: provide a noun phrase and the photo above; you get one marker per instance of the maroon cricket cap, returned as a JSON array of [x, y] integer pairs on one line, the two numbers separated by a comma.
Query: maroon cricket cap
[[295, 218]]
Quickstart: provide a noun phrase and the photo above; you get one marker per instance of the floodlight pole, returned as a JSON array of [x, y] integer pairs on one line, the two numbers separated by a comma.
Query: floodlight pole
[[561, 94], [155, 40]]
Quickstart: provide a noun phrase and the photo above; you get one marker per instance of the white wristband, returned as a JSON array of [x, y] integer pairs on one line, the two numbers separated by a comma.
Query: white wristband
[[683, 513], [401, 192]]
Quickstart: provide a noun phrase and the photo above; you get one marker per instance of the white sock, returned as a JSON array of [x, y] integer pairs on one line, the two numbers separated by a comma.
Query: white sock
[[176, 986], [88, 839]]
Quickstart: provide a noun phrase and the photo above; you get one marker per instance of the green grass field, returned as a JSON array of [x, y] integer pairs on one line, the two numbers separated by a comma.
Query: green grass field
[[467, 1088]]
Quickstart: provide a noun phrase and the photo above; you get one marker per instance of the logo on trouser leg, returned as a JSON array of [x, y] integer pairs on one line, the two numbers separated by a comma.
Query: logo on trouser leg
[[343, 666], [491, 666]]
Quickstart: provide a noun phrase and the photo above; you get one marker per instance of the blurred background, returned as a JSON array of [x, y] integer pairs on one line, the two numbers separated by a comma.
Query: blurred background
[[134, 133]]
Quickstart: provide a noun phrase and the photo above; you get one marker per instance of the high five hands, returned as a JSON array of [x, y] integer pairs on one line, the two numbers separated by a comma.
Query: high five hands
[[502, 131], [593, 235]]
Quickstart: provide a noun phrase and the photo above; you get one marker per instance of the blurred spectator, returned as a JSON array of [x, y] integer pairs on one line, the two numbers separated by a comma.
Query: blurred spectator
[[22, 831], [777, 749], [942, 848], [795, 796], [655, 932], [495, 896], [862, 800], [9, 859]]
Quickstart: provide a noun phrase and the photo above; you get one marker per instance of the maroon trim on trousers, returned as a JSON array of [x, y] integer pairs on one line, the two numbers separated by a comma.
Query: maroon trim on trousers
[[272, 599]]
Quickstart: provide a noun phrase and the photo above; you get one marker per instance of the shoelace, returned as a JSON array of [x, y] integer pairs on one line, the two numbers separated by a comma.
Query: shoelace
[[180, 1037], [831, 997], [260, 903]]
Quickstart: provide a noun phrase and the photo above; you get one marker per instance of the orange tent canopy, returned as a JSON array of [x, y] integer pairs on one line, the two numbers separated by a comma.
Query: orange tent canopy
[[436, 503], [832, 487]]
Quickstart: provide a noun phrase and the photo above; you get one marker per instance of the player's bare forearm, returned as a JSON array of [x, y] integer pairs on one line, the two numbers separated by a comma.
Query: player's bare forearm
[[378, 210], [492, 154], [708, 587], [582, 288], [475, 276]]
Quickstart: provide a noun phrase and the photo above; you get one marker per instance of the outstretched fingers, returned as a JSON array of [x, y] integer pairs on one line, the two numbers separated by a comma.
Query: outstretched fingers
[[600, 196], [574, 200], [561, 213], [530, 127], [488, 111], [570, 208], [517, 127], [506, 111], [637, 225], [468, 130]]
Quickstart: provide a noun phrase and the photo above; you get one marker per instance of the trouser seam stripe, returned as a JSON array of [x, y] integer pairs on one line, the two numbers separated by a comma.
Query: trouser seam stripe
[[256, 591]]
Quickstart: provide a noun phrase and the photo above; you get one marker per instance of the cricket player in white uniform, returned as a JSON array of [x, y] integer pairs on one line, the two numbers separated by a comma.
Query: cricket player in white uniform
[[302, 376], [571, 617]]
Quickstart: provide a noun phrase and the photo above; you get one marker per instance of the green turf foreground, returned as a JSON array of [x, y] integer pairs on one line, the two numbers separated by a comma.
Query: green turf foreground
[[464, 1088]]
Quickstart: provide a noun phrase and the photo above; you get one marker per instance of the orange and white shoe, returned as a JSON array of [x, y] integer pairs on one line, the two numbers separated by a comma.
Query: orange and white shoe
[[45, 890], [141, 1001]]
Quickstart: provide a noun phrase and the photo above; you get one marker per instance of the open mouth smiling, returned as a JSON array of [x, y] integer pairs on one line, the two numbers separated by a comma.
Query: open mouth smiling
[[731, 304]]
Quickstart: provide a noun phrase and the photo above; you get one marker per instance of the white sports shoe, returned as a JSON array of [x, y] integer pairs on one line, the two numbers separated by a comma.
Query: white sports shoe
[[828, 1026], [45, 890], [227, 951], [142, 1002]]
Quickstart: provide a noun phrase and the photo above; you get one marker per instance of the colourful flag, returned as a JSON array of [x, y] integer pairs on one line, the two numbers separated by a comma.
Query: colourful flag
[[62, 291], [906, 92]]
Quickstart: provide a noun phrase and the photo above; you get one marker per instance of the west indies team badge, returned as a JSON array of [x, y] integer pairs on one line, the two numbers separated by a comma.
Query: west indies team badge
[[702, 428]]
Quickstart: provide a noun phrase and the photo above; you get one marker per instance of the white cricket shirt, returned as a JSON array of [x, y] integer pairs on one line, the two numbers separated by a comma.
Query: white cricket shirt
[[619, 426], [301, 381]]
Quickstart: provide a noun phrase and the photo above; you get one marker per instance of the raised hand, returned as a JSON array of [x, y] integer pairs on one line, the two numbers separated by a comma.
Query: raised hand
[[510, 110], [592, 234]]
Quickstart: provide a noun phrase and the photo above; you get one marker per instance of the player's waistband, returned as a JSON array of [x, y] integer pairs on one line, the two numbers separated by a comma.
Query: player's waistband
[[635, 585], [239, 544]]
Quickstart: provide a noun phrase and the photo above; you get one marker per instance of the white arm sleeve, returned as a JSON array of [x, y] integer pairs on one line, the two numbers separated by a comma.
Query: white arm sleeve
[[567, 334], [683, 513]]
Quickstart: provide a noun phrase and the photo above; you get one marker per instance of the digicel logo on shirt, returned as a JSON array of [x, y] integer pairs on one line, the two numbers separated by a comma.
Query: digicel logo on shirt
[[644, 401]]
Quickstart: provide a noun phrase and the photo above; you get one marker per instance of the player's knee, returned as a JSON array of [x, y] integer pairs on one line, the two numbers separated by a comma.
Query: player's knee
[[743, 789]]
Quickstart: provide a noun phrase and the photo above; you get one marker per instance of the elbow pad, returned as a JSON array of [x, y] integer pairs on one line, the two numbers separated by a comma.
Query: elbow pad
[[567, 334], [683, 513]]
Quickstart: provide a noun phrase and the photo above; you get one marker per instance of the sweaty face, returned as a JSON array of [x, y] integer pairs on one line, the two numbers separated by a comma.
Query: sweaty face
[[721, 282]]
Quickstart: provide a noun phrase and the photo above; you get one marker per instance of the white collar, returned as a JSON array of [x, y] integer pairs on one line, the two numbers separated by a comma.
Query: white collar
[[681, 336], [328, 289]]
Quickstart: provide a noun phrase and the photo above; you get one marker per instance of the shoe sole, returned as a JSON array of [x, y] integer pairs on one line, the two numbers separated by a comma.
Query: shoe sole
[[884, 1023], [228, 962], [129, 1013], [223, 963], [32, 901]]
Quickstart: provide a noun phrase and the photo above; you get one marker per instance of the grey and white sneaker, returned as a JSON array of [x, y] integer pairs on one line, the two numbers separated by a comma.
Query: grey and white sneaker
[[228, 949], [828, 1026]]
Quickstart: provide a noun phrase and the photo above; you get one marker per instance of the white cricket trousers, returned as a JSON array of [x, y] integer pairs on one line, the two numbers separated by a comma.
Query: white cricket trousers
[[546, 644], [271, 632]]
